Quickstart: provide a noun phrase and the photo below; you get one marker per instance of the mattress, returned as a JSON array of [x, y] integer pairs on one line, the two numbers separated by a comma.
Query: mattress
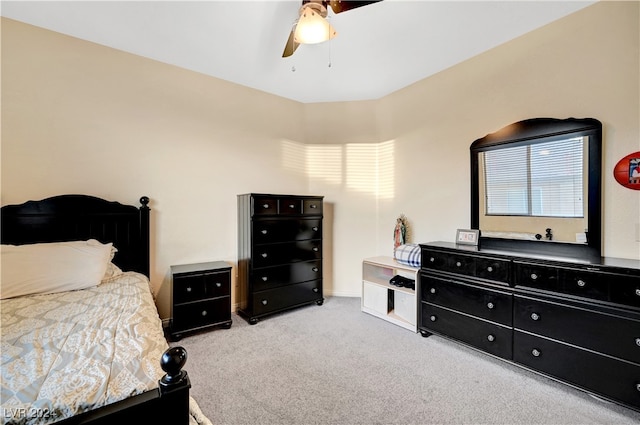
[[69, 352]]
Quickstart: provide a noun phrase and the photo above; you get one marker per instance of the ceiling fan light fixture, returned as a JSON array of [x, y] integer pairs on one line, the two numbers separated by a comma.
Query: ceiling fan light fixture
[[312, 27]]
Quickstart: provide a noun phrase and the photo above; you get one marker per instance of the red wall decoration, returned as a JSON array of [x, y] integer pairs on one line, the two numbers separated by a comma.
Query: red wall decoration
[[627, 171]]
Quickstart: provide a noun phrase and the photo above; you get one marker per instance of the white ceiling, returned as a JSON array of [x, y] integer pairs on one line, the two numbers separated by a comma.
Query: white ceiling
[[380, 48]]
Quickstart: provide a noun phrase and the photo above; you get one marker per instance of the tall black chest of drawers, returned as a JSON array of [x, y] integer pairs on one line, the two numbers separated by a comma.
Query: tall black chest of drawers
[[577, 322], [279, 253]]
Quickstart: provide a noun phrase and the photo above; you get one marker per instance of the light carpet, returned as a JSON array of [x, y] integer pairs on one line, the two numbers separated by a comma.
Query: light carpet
[[334, 364]]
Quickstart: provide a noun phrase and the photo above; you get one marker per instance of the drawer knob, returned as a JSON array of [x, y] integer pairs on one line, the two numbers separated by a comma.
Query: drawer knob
[[638, 387], [433, 318], [491, 338], [188, 288], [264, 231], [535, 316], [315, 289], [638, 292], [536, 353], [638, 342], [458, 263], [314, 206], [534, 276], [432, 290], [264, 302], [490, 306], [315, 269], [432, 259], [264, 278], [265, 206], [292, 206], [489, 269], [314, 228], [204, 313], [264, 255], [581, 283], [218, 284], [315, 248]]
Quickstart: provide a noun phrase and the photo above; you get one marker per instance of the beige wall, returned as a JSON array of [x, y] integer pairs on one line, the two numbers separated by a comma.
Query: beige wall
[[82, 118]]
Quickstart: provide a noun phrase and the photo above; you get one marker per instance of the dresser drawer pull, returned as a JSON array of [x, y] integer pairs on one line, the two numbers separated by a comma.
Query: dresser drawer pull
[[581, 283], [638, 292], [432, 259], [292, 206], [204, 313], [315, 249], [458, 263], [432, 290], [491, 338], [638, 387], [638, 342], [265, 206], [264, 278], [315, 289], [314, 228], [188, 288], [490, 306], [536, 353], [218, 285], [433, 318], [489, 269], [534, 276], [263, 255], [315, 269], [264, 302], [264, 232], [314, 206], [535, 316]]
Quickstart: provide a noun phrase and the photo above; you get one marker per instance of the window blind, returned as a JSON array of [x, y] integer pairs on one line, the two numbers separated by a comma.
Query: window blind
[[543, 179]]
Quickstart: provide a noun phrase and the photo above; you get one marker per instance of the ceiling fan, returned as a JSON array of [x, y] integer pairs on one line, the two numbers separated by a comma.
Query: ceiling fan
[[312, 27]]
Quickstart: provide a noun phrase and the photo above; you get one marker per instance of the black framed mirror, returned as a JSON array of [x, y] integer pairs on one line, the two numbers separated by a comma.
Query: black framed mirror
[[536, 187]]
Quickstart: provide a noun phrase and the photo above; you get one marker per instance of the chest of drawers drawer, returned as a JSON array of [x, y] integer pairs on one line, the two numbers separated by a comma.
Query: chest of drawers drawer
[[286, 252], [611, 378], [605, 332], [272, 300], [270, 231], [486, 336], [271, 277], [582, 282], [483, 267], [478, 301]]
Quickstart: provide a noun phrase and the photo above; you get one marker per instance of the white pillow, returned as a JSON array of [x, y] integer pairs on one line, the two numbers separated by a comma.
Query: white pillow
[[52, 267]]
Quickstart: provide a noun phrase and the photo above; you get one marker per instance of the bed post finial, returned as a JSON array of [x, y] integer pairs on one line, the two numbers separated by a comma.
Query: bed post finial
[[144, 201], [172, 362]]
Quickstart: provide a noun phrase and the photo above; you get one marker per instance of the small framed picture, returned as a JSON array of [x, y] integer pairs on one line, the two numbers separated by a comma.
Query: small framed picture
[[467, 236]]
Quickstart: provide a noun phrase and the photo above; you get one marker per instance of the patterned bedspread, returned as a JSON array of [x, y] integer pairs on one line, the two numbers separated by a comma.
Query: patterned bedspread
[[69, 352]]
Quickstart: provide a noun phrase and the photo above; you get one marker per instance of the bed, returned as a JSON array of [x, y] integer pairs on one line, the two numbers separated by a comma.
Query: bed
[[93, 353]]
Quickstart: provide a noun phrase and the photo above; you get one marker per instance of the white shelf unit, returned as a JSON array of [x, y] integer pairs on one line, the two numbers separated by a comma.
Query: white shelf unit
[[381, 299]]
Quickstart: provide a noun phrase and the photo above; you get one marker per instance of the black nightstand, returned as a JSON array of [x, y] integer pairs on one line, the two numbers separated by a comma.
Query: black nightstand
[[201, 297]]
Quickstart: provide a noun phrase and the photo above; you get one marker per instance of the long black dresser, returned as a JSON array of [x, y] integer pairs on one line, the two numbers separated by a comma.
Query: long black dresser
[[279, 253], [577, 322]]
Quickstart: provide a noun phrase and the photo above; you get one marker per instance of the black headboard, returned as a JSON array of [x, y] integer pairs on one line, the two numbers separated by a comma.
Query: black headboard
[[80, 217]]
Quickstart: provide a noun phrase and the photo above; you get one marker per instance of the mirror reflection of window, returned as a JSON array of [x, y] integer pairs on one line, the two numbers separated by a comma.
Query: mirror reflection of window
[[537, 180]]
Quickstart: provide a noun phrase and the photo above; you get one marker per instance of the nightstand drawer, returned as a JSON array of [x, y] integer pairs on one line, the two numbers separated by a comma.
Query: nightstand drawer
[[199, 286], [200, 314]]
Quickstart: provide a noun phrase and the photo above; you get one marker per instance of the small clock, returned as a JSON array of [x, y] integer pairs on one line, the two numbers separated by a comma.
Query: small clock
[[467, 236]]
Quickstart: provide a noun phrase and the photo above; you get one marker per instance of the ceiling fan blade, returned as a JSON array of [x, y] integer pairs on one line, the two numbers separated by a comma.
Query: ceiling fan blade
[[291, 45], [344, 5]]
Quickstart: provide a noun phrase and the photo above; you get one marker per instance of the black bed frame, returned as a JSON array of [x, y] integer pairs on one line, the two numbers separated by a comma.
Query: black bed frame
[[82, 217]]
